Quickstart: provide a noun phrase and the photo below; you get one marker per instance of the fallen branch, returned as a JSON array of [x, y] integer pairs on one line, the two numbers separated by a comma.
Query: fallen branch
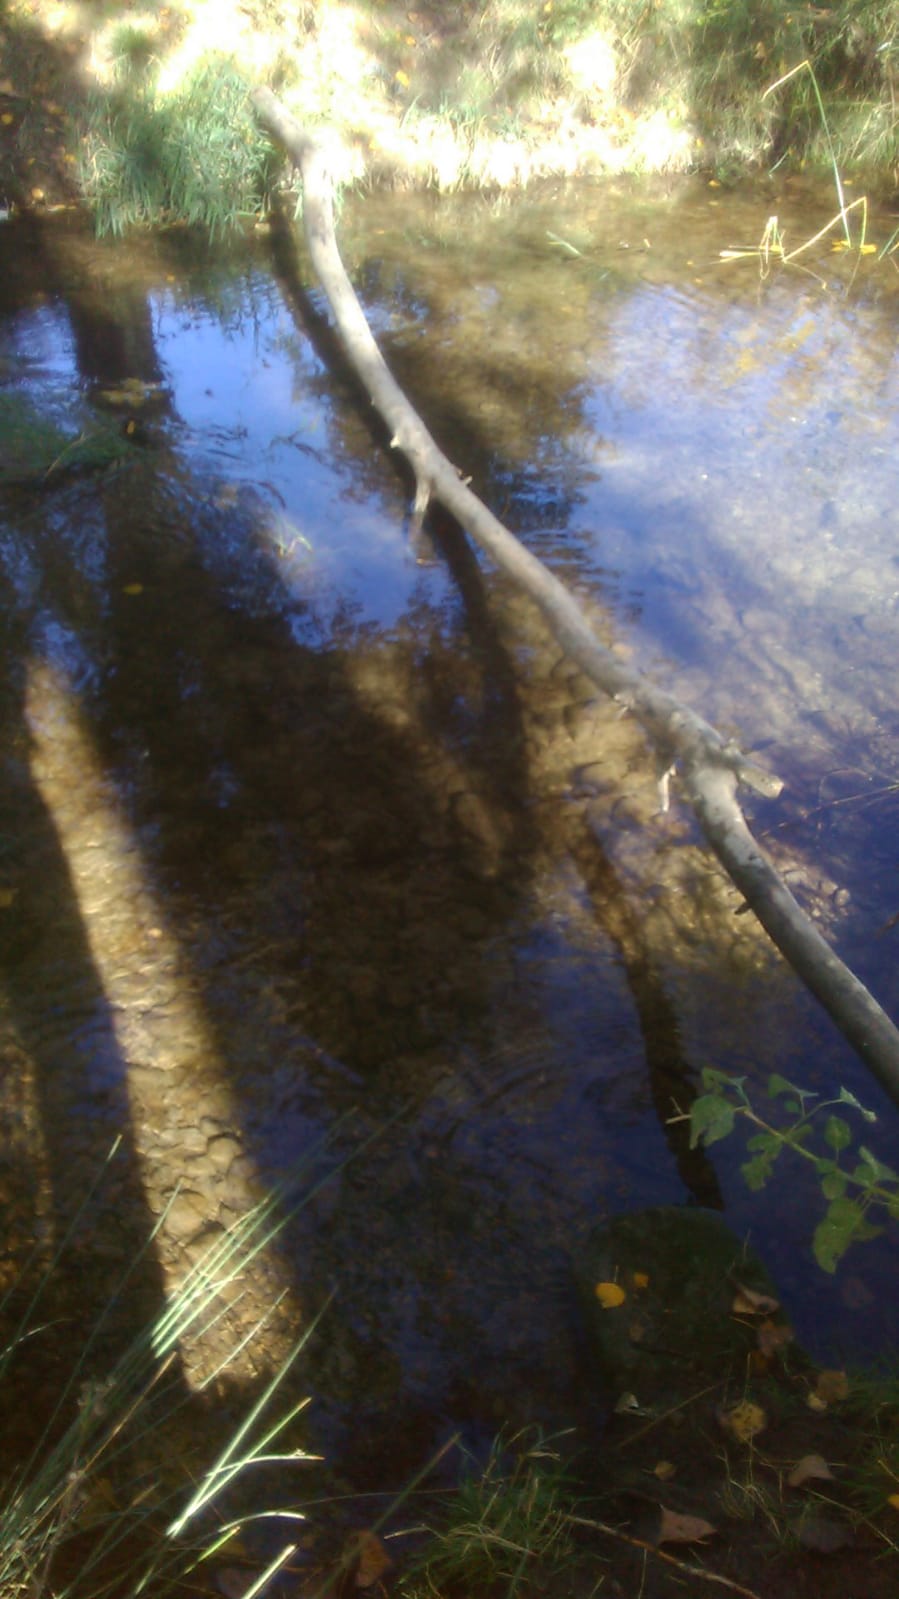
[[662, 1554], [708, 767]]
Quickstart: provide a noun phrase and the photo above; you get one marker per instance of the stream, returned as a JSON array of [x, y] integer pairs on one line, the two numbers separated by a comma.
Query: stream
[[313, 851]]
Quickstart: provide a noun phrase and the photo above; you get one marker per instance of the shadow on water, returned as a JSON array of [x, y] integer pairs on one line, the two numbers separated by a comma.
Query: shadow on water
[[310, 861]]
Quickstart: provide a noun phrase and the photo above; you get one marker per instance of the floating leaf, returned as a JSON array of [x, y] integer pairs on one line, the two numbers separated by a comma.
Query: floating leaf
[[744, 1421], [610, 1295], [677, 1528], [811, 1468]]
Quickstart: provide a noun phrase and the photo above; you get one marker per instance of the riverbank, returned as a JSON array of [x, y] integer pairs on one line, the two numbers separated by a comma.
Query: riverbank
[[103, 108]]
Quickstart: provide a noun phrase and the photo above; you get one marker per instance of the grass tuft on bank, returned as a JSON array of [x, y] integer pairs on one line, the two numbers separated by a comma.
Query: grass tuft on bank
[[134, 1481]]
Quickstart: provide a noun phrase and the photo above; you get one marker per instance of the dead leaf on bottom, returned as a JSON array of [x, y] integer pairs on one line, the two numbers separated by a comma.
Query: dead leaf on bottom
[[677, 1528], [369, 1558], [743, 1421]]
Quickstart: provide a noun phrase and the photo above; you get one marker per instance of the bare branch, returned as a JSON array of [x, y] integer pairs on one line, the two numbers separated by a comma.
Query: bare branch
[[709, 767]]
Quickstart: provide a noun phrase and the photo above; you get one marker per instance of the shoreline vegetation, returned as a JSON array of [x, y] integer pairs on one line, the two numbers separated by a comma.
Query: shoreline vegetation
[[143, 115]]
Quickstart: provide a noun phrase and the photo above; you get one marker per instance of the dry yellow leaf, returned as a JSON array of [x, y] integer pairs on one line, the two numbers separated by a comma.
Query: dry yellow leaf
[[816, 1403], [133, 588], [7, 898], [7, 119], [664, 1470], [610, 1295], [893, 1499], [402, 78], [744, 1421], [641, 1279]]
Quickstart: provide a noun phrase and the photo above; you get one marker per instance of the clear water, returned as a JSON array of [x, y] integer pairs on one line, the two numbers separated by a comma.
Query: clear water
[[301, 837]]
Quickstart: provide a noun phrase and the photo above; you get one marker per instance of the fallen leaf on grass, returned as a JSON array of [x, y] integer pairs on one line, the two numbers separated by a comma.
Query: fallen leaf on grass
[[743, 1421], [664, 1470], [610, 1295], [676, 1528], [824, 1535], [772, 1336], [625, 1404], [810, 1467], [749, 1302], [832, 1386], [893, 1499]]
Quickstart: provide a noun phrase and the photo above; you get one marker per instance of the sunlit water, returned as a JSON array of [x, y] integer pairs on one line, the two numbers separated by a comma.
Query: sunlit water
[[296, 828]]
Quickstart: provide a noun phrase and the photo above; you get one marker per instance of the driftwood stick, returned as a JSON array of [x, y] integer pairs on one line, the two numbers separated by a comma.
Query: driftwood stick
[[709, 767]]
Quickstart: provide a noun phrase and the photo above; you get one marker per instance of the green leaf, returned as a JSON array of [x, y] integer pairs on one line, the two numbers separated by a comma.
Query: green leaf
[[833, 1184], [780, 1085], [880, 1172], [757, 1171], [766, 1141], [713, 1079], [843, 1224], [711, 1118], [837, 1133], [837, 1229], [845, 1098]]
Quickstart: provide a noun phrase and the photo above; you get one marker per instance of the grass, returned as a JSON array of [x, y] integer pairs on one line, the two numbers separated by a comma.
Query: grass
[[97, 1507], [34, 449], [505, 1528], [488, 95], [195, 155]]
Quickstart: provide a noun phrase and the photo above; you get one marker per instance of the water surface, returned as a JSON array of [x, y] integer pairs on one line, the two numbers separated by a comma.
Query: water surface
[[301, 835]]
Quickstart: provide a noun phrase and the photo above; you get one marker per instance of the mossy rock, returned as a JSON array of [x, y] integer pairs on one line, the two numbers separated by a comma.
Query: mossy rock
[[674, 1330]]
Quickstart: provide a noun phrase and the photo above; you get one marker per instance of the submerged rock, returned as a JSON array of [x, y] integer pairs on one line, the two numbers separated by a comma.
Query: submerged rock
[[658, 1288]]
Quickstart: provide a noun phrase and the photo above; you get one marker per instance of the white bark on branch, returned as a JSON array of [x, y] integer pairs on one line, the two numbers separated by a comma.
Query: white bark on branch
[[709, 767]]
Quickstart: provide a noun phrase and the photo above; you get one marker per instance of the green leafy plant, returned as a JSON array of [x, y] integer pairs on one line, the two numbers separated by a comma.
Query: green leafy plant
[[854, 1182]]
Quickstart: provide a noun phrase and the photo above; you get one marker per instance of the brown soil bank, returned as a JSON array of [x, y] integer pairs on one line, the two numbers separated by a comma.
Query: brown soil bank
[[487, 94]]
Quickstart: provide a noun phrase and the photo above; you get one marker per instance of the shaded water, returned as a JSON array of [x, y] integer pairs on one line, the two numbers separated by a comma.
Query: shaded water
[[300, 835]]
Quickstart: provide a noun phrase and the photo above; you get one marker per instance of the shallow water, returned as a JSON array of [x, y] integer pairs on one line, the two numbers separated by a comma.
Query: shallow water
[[303, 837]]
